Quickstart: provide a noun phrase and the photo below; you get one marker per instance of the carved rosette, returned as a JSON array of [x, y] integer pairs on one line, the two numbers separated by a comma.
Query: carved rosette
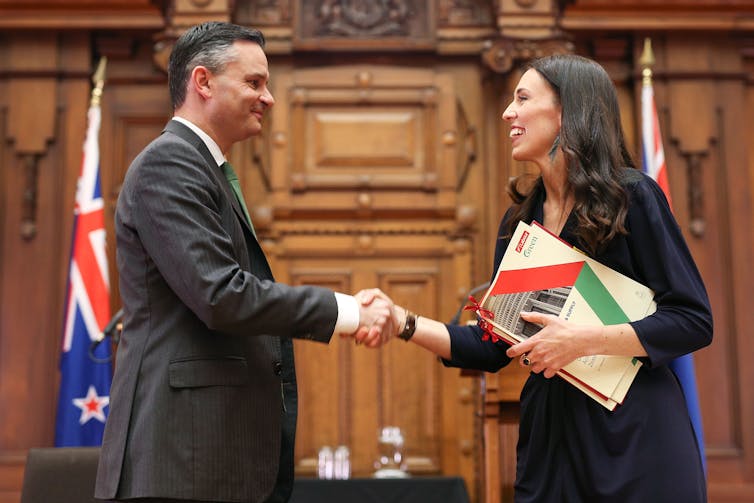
[[500, 55]]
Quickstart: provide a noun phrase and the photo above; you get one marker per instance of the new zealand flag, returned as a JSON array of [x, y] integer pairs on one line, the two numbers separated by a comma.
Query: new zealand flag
[[85, 373]]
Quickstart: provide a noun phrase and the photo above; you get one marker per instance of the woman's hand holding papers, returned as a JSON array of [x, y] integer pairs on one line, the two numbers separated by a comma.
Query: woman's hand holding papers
[[560, 342]]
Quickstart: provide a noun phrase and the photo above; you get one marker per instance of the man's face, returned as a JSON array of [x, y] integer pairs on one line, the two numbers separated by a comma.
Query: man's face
[[240, 96]]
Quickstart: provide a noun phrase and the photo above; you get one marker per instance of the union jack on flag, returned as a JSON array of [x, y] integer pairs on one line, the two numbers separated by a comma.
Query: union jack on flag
[[654, 166], [652, 151], [85, 378]]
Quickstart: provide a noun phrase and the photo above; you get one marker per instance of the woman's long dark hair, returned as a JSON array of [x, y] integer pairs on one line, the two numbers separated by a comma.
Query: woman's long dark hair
[[592, 141]]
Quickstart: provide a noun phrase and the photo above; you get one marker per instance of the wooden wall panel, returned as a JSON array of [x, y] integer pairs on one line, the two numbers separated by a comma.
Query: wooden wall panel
[[35, 228], [395, 140], [364, 136]]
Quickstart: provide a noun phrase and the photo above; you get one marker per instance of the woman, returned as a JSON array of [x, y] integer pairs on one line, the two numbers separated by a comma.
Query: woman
[[564, 118]]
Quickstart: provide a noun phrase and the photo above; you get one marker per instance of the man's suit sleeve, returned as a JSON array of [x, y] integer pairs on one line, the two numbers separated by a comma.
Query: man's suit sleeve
[[187, 227]]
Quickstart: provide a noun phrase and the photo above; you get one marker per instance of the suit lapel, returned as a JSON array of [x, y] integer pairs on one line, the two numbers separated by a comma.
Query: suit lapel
[[182, 131], [260, 267]]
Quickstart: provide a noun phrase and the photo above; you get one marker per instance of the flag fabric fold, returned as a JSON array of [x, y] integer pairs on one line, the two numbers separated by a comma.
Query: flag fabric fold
[[654, 165], [85, 367]]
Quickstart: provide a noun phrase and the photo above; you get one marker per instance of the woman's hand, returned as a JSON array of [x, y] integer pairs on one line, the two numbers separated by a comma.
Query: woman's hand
[[555, 346]]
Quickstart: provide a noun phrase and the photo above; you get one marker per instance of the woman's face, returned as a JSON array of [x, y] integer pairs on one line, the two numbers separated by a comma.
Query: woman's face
[[534, 116]]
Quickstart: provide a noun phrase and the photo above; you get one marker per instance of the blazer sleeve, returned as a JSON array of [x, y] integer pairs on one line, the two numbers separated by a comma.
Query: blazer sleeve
[[182, 218], [683, 320]]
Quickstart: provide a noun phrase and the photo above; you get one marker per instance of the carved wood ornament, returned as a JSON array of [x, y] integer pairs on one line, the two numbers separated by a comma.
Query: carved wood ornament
[[502, 54], [363, 18], [349, 24]]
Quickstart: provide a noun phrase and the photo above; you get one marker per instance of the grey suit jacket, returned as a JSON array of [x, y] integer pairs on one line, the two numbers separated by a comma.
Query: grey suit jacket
[[195, 404]]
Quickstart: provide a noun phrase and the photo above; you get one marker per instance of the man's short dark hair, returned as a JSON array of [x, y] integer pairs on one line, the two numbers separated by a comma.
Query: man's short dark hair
[[208, 44]]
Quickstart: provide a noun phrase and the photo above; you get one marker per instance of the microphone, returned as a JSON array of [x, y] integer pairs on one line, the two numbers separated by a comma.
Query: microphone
[[112, 330], [112, 325]]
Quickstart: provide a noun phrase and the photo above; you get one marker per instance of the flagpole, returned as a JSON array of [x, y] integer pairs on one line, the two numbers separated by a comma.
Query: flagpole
[[649, 136], [652, 150]]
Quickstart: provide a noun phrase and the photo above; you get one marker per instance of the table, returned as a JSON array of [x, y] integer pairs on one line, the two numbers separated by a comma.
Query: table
[[368, 490]]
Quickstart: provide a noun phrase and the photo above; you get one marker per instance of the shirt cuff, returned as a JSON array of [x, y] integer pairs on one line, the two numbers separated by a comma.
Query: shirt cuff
[[348, 314]]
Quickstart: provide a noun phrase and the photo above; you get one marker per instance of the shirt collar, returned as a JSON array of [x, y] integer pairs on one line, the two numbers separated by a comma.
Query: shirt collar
[[217, 154]]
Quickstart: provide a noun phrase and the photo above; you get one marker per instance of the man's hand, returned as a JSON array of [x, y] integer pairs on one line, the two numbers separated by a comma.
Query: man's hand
[[377, 323]]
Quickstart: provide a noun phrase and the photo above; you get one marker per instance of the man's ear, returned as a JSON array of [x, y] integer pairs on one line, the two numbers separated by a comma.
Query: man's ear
[[200, 81]]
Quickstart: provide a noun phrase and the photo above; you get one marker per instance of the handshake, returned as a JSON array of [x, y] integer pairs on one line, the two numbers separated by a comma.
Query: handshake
[[380, 319]]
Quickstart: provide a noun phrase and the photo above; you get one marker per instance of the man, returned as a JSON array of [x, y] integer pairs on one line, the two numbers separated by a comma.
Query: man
[[203, 401]]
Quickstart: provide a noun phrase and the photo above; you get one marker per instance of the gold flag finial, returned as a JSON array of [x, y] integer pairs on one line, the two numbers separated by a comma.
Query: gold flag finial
[[647, 59], [647, 56], [98, 79]]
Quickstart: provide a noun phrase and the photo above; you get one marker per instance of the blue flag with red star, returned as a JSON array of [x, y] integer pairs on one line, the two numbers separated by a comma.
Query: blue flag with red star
[[85, 368]]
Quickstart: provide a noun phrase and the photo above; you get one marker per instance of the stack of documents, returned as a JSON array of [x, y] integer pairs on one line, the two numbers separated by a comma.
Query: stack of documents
[[542, 273]]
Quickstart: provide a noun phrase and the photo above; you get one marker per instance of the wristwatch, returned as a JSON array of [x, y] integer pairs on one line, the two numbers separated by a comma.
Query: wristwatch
[[410, 327]]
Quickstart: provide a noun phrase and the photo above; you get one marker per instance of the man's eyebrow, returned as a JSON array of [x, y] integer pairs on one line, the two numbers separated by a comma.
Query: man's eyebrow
[[258, 75]]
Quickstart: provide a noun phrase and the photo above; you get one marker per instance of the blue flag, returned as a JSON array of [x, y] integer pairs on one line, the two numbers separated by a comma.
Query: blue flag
[[86, 372], [683, 368]]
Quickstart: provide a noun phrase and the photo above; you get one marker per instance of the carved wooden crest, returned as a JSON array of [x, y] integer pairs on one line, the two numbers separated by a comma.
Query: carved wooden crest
[[364, 24]]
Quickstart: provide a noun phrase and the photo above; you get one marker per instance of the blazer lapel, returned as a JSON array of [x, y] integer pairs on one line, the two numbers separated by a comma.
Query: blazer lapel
[[182, 131]]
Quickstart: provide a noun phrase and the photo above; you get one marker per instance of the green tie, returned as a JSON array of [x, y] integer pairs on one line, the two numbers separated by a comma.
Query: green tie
[[230, 175]]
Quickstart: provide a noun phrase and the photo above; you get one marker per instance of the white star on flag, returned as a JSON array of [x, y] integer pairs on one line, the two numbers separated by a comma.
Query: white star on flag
[[92, 406]]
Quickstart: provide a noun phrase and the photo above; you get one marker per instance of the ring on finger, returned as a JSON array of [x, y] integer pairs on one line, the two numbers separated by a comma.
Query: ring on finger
[[525, 359]]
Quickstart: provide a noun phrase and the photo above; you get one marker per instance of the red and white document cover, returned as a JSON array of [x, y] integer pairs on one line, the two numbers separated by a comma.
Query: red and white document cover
[[540, 272]]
